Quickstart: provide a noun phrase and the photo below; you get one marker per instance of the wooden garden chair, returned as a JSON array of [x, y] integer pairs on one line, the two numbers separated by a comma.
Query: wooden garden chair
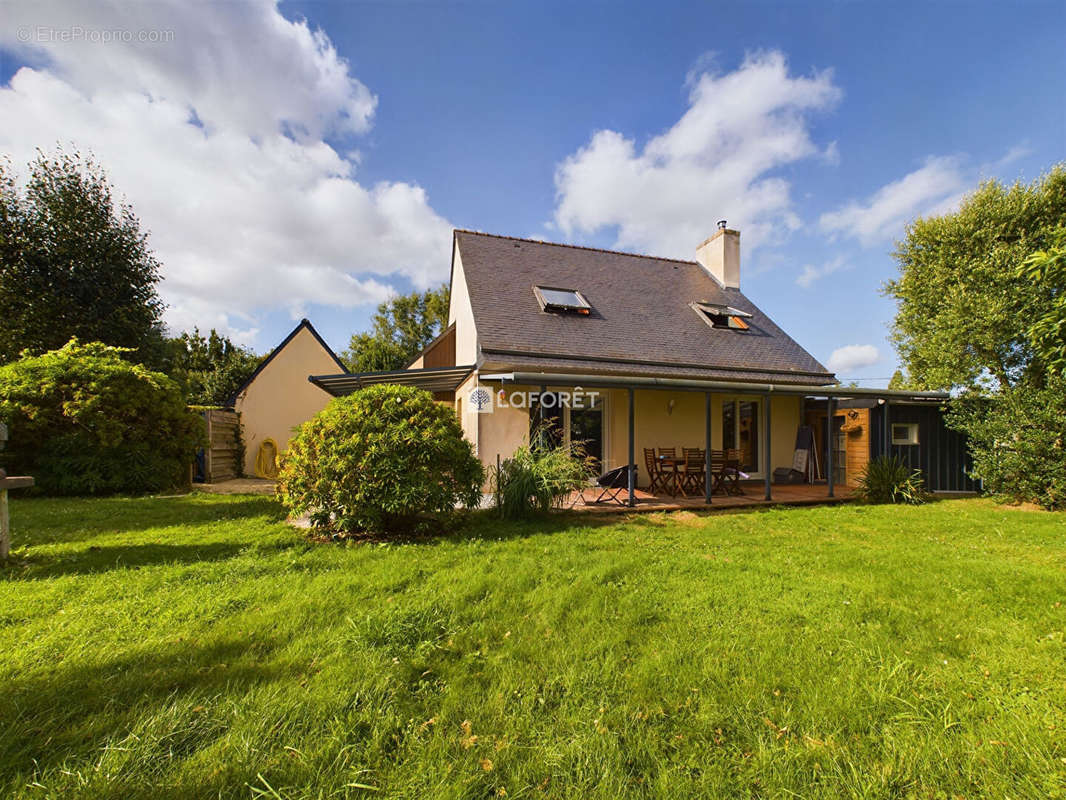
[[692, 478], [656, 476]]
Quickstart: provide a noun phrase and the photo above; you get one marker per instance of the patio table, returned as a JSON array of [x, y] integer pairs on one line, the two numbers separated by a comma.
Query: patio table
[[725, 473]]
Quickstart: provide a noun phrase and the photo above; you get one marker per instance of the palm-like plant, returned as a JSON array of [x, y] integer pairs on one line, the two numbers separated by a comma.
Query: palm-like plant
[[888, 479], [539, 477]]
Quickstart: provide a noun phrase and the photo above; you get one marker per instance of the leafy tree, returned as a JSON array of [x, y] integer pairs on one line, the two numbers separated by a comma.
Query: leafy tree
[[402, 328], [83, 419], [72, 264], [1047, 334], [1018, 440], [211, 368], [964, 311], [898, 381]]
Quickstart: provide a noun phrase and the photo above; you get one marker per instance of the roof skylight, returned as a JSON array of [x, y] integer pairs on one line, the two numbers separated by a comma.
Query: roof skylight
[[718, 316], [552, 298]]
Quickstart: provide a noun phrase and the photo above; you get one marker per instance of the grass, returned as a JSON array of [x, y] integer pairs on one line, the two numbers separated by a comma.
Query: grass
[[198, 647]]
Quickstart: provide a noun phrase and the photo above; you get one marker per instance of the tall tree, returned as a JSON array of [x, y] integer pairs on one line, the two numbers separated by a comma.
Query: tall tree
[[73, 264], [210, 368], [402, 327], [964, 308], [1047, 269], [898, 380]]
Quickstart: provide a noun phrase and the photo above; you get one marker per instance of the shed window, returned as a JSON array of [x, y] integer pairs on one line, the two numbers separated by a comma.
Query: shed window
[[904, 433], [566, 300], [723, 316]]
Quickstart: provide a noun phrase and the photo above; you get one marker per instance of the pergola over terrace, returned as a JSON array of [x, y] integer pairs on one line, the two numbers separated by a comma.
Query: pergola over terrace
[[829, 394]]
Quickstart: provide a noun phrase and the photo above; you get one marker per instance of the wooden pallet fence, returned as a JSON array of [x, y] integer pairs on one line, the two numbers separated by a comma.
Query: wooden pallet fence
[[224, 455]]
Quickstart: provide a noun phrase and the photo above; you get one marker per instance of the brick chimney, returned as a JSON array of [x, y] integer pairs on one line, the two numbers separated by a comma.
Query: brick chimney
[[720, 256]]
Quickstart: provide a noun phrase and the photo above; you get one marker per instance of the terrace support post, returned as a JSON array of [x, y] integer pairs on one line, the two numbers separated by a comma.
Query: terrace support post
[[766, 447], [537, 439], [707, 485], [829, 410], [887, 432], [629, 464]]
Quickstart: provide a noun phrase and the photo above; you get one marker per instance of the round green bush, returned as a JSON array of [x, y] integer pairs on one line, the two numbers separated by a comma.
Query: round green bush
[[379, 460], [84, 420]]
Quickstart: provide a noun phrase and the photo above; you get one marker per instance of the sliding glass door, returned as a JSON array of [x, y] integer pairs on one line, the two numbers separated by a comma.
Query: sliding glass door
[[740, 431], [583, 426]]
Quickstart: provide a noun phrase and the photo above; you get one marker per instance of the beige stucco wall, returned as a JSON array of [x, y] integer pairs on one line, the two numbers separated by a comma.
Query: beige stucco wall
[[281, 397], [501, 432], [462, 314], [656, 425], [498, 433]]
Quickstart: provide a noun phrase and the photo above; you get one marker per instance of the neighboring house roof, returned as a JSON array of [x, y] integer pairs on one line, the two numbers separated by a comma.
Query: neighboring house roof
[[641, 321], [304, 323]]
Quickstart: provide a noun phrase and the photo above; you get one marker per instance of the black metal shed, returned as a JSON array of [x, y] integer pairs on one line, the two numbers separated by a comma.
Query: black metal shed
[[939, 452]]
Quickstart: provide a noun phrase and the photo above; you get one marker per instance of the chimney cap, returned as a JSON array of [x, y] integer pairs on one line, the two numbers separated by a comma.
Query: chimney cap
[[721, 224]]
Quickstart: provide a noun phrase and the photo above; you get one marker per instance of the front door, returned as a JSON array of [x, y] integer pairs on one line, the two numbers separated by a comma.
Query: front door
[[586, 430]]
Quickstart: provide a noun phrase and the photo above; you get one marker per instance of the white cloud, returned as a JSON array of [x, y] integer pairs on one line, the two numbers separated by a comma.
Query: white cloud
[[936, 184], [716, 161], [831, 154], [217, 141], [853, 356], [812, 273], [1015, 153], [937, 187], [239, 65]]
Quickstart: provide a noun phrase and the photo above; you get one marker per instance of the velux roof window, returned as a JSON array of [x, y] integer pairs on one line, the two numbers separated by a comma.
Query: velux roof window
[[567, 301], [723, 316]]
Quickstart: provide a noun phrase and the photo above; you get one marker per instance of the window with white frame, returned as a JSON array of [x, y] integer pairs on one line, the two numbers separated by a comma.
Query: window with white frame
[[740, 431], [904, 433]]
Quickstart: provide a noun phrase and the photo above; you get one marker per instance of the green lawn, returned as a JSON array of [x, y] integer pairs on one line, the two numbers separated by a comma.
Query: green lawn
[[198, 647]]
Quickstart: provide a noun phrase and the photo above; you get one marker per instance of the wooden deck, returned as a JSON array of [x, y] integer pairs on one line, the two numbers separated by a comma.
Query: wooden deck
[[754, 497]]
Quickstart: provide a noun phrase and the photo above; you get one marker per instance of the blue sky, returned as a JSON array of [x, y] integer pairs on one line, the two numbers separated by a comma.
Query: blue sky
[[333, 145]]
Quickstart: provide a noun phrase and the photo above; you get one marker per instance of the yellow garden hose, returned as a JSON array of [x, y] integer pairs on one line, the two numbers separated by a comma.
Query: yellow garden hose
[[266, 460]]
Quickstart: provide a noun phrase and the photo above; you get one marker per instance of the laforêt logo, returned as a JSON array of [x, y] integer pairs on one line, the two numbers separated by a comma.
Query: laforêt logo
[[483, 401], [480, 400]]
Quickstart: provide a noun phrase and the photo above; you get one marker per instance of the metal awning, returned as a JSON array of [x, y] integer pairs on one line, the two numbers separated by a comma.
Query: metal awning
[[682, 384], [432, 379]]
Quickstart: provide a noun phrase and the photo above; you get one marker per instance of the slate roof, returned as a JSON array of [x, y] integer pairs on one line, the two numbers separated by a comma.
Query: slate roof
[[641, 321]]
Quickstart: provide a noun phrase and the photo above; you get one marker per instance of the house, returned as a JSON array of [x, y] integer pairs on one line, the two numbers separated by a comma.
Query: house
[[626, 352], [277, 397]]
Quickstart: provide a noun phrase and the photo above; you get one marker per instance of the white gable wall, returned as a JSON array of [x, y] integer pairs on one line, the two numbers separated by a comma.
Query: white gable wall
[[462, 314]]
